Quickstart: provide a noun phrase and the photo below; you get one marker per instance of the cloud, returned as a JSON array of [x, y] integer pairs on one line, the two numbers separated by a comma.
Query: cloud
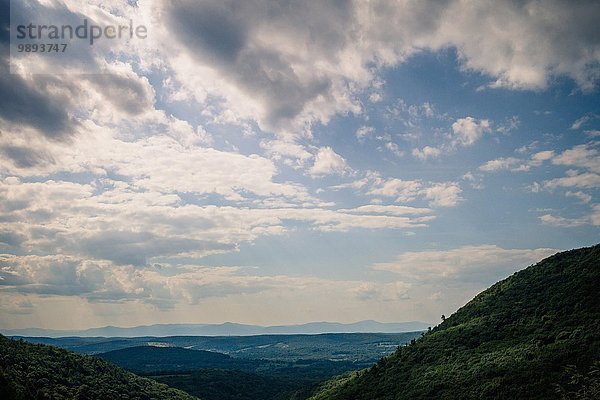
[[439, 194], [509, 163], [548, 219], [586, 180], [583, 197], [166, 287], [250, 53], [465, 132], [538, 158], [468, 130], [126, 91], [328, 162], [443, 194], [394, 148], [594, 133], [285, 150], [114, 221], [364, 131], [514, 164], [580, 122], [426, 152], [411, 115], [509, 125], [388, 210], [483, 263], [584, 156], [404, 191], [257, 59], [390, 292], [160, 285]]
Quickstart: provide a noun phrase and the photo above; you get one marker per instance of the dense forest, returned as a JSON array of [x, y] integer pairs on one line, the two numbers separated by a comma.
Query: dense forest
[[29, 371], [535, 335], [219, 384], [216, 376]]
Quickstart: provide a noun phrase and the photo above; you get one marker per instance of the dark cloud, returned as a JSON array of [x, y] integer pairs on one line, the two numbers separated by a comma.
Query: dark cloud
[[24, 157], [22, 104], [11, 238], [134, 248], [214, 28], [4, 27], [28, 102], [124, 92], [221, 34]]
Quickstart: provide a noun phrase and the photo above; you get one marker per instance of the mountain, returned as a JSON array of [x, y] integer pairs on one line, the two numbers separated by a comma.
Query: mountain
[[29, 371], [226, 329], [534, 335]]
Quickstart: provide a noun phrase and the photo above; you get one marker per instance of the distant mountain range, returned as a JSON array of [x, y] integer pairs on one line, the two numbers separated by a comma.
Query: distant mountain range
[[226, 329]]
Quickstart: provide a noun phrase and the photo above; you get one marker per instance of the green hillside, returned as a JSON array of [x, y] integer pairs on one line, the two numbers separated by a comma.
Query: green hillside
[[30, 371], [535, 335]]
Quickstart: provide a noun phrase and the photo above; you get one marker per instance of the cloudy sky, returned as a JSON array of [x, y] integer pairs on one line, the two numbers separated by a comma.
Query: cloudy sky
[[278, 162]]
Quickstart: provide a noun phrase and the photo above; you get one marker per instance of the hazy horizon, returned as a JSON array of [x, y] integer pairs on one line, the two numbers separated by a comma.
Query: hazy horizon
[[275, 163]]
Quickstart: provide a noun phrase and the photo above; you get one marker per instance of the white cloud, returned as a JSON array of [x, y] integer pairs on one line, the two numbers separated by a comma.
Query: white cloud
[[469, 263], [357, 184], [583, 197], [363, 132], [404, 191], [328, 162], [388, 210], [426, 152], [443, 194], [538, 158], [439, 194], [516, 164], [390, 292], [375, 97], [580, 122], [112, 220], [162, 285], [593, 133], [282, 150], [548, 219], [394, 148], [586, 180], [468, 130], [584, 156], [509, 163], [509, 125]]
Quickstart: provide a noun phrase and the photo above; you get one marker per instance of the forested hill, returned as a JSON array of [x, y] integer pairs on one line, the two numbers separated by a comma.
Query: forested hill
[[535, 335], [148, 359], [30, 371]]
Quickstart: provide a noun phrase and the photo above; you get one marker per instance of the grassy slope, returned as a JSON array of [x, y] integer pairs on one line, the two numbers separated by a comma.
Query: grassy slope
[[30, 371], [535, 335]]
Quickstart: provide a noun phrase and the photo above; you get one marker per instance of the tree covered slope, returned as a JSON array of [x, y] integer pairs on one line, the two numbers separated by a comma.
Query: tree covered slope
[[148, 359], [30, 371], [534, 335]]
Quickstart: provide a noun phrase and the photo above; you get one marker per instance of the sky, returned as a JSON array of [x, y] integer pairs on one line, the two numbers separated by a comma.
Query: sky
[[282, 162]]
